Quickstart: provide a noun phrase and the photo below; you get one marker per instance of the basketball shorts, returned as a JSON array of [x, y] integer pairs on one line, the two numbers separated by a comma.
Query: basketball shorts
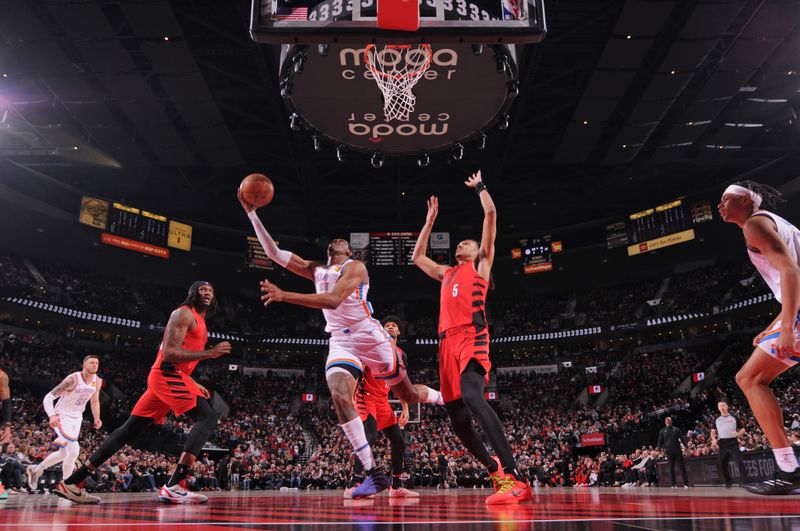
[[68, 429], [767, 343], [365, 344], [167, 391], [457, 347], [380, 409]]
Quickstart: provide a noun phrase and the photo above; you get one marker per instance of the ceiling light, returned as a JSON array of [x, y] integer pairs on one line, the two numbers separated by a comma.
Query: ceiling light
[[629, 36], [673, 72]]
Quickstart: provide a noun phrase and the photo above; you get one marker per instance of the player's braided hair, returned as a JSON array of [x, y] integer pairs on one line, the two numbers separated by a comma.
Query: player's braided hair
[[770, 197], [194, 300]]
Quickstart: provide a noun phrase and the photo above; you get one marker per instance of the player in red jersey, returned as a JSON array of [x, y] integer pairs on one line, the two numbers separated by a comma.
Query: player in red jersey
[[464, 346], [372, 404], [170, 387]]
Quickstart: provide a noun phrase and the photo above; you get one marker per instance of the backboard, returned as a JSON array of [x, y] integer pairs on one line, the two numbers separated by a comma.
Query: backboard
[[448, 21]]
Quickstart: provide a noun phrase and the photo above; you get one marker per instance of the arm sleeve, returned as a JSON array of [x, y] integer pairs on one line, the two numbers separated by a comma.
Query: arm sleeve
[[277, 255], [48, 401], [7, 411]]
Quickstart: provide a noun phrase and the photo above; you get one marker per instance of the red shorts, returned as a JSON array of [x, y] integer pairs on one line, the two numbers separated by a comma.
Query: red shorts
[[380, 409], [457, 348], [167, 390]]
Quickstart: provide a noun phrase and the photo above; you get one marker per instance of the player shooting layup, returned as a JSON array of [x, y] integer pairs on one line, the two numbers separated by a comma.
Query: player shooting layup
[[357, 340]]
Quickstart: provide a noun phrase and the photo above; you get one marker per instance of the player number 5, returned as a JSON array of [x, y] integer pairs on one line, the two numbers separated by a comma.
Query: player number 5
[[455, 290]]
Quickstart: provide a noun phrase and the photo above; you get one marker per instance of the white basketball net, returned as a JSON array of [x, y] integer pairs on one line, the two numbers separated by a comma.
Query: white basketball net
[[396, 69]]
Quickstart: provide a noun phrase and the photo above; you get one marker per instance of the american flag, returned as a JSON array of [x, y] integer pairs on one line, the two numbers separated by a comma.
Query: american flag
[[292, 13]]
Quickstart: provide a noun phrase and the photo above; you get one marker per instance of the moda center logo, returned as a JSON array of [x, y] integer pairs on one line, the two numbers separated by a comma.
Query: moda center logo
[[444, 65]]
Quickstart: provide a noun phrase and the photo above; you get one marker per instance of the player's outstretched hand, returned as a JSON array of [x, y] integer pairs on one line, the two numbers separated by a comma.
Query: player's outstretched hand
[[245, 205], [474, 179], [271, 292], [433, 210], [220, 349], [98, 424]]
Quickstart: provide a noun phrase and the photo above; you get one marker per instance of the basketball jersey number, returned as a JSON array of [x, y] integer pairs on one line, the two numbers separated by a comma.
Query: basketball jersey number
[[455, 290]]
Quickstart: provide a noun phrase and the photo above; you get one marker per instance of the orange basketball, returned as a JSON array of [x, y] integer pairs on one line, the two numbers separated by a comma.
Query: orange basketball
[[257, 189]]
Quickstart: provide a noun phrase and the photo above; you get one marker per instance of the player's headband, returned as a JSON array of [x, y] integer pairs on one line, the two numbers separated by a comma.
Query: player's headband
[[735, 189]]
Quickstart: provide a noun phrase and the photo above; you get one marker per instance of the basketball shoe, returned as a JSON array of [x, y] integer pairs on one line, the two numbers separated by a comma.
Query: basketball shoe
[[375, 482], [511, 491], [75, 494], [178, 494]]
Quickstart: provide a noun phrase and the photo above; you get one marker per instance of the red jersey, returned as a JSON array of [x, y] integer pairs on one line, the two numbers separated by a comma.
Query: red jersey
[[462, 300], [195, 340]]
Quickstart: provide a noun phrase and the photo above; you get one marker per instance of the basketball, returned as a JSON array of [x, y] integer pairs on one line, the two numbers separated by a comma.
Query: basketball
[[257, 189]]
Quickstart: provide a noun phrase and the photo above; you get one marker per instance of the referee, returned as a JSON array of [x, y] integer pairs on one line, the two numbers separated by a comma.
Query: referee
[[726, 438]]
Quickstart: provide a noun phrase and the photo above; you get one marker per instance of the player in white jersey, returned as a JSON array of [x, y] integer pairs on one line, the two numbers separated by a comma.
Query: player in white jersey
[[66, 415], [773, 245], [357, 340]]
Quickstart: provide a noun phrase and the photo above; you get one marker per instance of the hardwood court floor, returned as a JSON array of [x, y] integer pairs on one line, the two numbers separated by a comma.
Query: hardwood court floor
[[598, 509]]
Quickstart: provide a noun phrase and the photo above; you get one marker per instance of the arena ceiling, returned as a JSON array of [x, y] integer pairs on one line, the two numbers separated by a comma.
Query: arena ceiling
[[168, 104]]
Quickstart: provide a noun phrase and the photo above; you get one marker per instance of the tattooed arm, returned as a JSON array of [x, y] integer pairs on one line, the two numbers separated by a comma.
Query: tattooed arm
[[66, 385]]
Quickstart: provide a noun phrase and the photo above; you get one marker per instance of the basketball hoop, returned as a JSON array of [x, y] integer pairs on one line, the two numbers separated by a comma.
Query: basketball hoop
[[397, 68]]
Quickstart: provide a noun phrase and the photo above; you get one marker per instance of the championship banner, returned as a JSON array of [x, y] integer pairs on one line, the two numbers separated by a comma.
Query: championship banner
[[593, 439], [659, 243], [309, 397], [132, 245], [180, 236], [595, 389]]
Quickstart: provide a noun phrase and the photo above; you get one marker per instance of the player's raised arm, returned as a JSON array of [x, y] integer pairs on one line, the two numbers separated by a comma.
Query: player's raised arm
[[286, 259], [354, 274], [421, 260], [179, 323], [489, 234]]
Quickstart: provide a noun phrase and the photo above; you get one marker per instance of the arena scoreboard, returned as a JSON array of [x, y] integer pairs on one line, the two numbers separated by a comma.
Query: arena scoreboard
[[133, 228], [256, 257], [397, 248], [537, 253]]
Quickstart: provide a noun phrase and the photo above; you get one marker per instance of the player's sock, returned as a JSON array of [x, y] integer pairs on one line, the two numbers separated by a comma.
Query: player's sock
[[434, 397], [181, 471], [354, 431], [78, 476], [52, 459], [785, 458]]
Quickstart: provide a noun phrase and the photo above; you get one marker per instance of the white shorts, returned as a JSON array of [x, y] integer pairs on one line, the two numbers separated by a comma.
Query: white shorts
[[67, 431], [767, 343], [365, 344]]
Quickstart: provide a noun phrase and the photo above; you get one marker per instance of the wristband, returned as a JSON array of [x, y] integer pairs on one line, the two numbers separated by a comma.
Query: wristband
[[480, 187]]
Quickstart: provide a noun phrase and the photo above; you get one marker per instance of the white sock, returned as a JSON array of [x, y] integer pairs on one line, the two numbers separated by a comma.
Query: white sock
[[354, 430], [786, 459], [52, 459], [434, 397]]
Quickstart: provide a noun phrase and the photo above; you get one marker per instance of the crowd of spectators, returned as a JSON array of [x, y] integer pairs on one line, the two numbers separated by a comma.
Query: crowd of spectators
[[700, 290]]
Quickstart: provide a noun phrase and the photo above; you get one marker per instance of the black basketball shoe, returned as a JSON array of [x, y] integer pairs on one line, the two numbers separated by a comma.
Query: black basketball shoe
[[782, 483]]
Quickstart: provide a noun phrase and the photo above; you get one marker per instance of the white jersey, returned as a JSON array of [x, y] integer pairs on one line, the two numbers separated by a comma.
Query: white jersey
[[353, 309], [73, 403], [791, 237]]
